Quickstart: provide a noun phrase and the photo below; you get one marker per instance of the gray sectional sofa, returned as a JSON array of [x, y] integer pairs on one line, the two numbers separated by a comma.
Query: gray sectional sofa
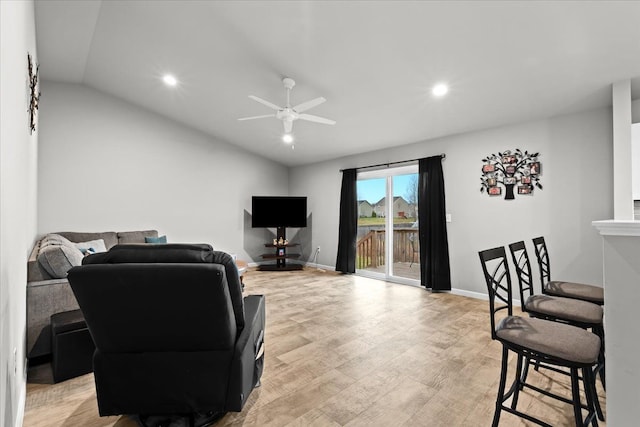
[[49, 293]]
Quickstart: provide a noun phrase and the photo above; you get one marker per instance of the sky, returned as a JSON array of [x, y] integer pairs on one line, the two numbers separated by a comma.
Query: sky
[[373, 190]]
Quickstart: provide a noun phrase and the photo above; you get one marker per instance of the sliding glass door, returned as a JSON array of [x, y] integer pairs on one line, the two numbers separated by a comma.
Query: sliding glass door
[[387, 243]]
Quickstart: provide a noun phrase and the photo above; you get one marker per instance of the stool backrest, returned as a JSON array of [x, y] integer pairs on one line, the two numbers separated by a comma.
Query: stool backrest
[[523, 269], [543, 260], [496, 274]]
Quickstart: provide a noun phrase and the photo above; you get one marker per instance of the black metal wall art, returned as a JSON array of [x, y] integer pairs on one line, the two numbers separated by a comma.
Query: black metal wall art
[[510, 169], [34, 96]]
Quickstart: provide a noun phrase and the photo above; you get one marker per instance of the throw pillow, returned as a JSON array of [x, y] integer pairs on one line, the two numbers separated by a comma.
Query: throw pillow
[[57, 260], [156, 240], [55, 239], [96, 245]]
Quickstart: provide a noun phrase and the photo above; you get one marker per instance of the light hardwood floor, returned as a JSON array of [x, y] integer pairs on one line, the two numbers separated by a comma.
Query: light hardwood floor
[[349, 351]]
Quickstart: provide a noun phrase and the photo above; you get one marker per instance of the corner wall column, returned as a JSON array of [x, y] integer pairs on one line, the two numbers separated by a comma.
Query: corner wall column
[[622, 177]]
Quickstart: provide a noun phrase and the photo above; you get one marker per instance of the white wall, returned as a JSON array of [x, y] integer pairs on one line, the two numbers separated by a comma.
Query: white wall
[[635, 160], [18, 178], [635, 111], [105, 164], [576, 156]]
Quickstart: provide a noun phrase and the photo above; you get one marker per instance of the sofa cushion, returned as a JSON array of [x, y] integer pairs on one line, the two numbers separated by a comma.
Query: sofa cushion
[[57, 259], [110, 237], [125, 237]]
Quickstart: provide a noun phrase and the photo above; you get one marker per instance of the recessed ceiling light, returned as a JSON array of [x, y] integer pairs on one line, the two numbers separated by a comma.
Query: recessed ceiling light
[[288, 138], [169, 80], [440, 89]]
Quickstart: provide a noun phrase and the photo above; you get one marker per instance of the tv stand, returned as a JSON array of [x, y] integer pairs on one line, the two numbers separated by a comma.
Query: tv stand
[[280, 254]]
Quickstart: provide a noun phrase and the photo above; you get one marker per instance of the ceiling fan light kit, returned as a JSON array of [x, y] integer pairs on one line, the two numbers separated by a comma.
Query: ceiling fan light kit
[[289, 114]]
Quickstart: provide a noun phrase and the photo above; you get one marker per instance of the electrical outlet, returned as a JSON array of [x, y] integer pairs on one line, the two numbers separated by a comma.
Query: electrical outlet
[[318, 249]]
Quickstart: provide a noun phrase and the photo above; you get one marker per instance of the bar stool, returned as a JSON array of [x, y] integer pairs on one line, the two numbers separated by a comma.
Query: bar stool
[[575, 312], [536, 339], [581, 291]]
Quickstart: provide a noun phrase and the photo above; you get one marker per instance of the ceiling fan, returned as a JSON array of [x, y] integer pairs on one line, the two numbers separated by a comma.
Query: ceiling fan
[[289, 114]]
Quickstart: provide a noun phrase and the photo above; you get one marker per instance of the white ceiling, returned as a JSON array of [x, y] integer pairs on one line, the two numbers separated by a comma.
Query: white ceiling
[[374, 62]]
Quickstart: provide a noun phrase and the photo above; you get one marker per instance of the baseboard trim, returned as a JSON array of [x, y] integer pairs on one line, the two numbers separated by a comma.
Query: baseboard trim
[[305, 264], [478, 295], [21, 404], [319, 266], [470, 294]]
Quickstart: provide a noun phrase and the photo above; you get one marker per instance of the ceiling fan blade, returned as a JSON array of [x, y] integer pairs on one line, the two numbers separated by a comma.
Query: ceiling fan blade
[[316, 119], [263, 102], [257, 117], [288, 126], [309, 104]]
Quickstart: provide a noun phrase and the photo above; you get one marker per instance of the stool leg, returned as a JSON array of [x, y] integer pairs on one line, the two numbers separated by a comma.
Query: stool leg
[[601, 359], [589, 380], [503, 381], [517, 385], [525, 372], [575, 394]]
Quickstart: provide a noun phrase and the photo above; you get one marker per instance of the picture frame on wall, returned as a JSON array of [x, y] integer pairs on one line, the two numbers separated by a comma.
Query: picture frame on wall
[[534, 168], [524, 189], [525, 180], [488, 168], [509, 180], [492, 182], [510, 170], [495, 191]]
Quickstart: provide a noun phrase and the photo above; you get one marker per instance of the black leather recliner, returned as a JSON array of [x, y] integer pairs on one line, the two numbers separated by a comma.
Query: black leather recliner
[[173, 333]]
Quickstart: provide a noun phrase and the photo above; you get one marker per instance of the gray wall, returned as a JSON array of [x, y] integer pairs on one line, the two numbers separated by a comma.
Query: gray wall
[[18, 179], [105, 164], [576, 156]]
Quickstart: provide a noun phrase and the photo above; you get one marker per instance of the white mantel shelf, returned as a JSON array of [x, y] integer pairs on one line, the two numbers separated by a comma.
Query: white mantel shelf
[[612, 227]]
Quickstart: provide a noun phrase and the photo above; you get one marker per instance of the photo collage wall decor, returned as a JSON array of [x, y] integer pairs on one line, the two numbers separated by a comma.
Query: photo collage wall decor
[[509, 169]]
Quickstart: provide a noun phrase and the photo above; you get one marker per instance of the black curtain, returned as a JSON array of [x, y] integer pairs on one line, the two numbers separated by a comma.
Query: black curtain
[[434, 247], [348, 229]]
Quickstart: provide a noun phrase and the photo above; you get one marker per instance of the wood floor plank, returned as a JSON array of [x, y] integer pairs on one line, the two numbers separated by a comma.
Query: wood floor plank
[[343, 350]]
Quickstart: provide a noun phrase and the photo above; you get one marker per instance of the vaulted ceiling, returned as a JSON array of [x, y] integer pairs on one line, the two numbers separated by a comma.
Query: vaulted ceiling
[[375, 63]]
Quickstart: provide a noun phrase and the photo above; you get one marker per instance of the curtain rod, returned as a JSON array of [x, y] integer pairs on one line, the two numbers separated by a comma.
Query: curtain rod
[[390, 163]]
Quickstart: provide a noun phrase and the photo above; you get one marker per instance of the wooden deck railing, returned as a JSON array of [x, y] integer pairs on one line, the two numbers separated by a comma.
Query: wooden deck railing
[[371, 247]]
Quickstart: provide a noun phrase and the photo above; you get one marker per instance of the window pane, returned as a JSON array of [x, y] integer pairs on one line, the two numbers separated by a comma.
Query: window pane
[[406, 255], [370, 254]]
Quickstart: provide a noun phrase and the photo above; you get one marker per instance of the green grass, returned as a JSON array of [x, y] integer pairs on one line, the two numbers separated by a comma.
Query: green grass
[[380, 221]]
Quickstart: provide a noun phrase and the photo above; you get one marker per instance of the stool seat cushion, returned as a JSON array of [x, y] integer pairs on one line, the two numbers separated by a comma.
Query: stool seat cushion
[[67, 321], [569, 309], [575, 290], [560, 341]]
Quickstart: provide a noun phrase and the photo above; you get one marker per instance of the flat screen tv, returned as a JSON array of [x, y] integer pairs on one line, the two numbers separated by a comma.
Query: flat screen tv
[[278, 211]]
